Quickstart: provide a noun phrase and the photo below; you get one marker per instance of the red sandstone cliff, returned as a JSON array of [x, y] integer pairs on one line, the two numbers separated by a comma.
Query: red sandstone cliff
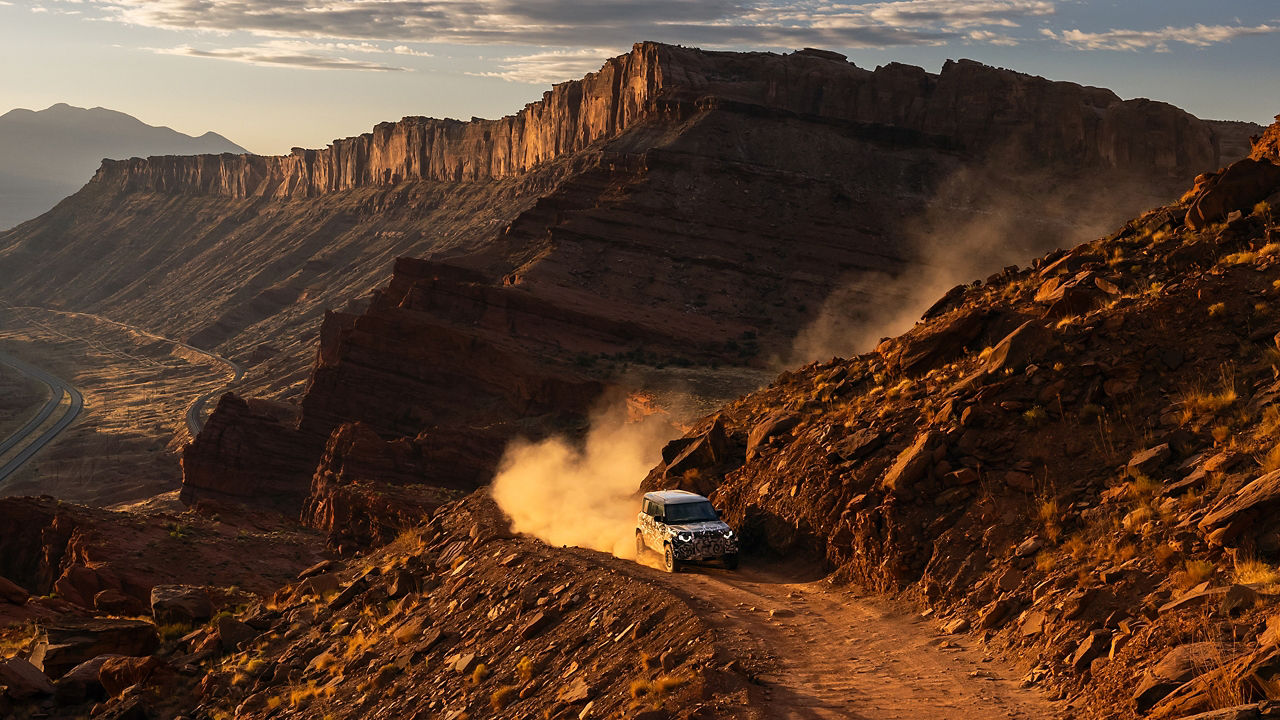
[[979, 108]]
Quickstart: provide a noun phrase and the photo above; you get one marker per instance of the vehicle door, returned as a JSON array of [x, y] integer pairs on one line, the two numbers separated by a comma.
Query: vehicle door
[[651, 525]]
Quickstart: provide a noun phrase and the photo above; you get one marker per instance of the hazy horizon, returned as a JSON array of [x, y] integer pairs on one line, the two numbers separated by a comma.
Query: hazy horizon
[[270, 76]]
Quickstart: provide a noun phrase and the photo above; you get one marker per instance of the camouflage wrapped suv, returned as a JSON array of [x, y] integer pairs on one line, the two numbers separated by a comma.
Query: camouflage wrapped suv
[[683, 527]]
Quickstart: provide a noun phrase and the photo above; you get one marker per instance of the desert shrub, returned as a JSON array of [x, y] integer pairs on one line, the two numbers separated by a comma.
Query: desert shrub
[[525, 669], [503, 696]]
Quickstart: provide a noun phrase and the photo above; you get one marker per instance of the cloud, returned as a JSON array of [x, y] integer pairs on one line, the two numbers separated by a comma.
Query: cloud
[[406, 50], [1005, 13], [550, 67], [986, 37], [572, 24], [1157, 40], [275, 56]]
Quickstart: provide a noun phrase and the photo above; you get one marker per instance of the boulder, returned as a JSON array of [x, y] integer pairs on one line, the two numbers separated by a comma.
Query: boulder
[[82, 683], [12, 593], [1072, 296], [115, 602], [701, 455], [233, 634], [860, 444], [23, 679], [934, 344], [1238, 599], [121, 673], [1239, 186], [1243, 511], [1149, 461], [1019, 347], [1091, 648], [180, 605], [912, 463], [996, 613], [1178, 666], [775, 424], [70, 642]]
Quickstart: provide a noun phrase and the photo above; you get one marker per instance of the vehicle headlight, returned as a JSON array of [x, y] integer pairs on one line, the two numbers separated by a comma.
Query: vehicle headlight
[[684, 537], [728, 534]]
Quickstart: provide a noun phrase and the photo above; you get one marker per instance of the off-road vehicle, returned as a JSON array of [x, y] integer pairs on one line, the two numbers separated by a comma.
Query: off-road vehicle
[[683, 527]]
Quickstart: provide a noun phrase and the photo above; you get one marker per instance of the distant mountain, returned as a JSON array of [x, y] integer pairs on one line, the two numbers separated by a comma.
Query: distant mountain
[[47, 155]]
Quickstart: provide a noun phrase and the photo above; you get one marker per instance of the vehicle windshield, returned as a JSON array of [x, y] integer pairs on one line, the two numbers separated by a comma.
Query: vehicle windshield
[[690, 512]]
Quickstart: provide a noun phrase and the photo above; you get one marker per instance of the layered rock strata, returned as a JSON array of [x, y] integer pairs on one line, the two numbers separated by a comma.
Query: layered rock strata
[[1024, 119]]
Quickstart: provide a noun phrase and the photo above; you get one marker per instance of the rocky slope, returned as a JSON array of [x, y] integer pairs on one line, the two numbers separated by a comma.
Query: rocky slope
[[1074, 459], [456, 618]]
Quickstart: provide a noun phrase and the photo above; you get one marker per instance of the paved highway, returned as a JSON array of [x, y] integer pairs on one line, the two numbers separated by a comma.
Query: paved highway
[[195, 412], [57, 389]]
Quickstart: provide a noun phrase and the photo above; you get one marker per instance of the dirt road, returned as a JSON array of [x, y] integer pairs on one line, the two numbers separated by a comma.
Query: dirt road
[[832, 653]]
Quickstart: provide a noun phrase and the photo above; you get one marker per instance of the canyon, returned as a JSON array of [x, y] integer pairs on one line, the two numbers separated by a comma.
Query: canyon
[[677, 211], [1019, 478]]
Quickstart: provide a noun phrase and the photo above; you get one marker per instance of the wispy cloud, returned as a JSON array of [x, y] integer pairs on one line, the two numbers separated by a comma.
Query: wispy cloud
[[957, 14], [550, 67], [1157, 40], [986, 37], [272, 56], [572, 24]]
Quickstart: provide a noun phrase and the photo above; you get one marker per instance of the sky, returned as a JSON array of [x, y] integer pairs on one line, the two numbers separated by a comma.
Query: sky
[[274, 74]]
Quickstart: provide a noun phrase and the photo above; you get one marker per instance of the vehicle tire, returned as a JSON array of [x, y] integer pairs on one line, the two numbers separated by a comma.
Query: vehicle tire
[[669, 561], [640, 546], [731, 561]]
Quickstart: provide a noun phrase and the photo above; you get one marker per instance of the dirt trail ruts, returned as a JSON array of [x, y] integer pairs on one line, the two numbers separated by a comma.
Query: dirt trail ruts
[[834, 653]]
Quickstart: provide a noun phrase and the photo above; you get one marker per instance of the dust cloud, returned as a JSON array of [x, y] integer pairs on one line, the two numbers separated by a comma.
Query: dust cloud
[[970, 231], [583, 494]]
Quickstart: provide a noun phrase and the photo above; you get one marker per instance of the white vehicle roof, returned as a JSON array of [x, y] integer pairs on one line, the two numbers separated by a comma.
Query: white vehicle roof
[[674, 497]]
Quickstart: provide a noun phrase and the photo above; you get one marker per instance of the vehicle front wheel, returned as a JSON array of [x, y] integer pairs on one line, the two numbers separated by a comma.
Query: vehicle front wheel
[[731, 561], [640, 546], [669, 561]]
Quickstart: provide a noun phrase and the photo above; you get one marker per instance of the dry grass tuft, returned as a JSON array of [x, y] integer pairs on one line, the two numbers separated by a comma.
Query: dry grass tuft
[[1050, 515], [1251, 571], [1045, 561], [1199, 400], [1077, 546], [1143, 488], [1194, 572], [1271, 460]]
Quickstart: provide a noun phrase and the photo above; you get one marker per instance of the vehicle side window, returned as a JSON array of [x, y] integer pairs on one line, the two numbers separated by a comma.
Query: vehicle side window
[[657, 511]]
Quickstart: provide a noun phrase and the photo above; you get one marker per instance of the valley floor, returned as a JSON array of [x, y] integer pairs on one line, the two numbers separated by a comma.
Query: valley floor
[[141, 392]]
